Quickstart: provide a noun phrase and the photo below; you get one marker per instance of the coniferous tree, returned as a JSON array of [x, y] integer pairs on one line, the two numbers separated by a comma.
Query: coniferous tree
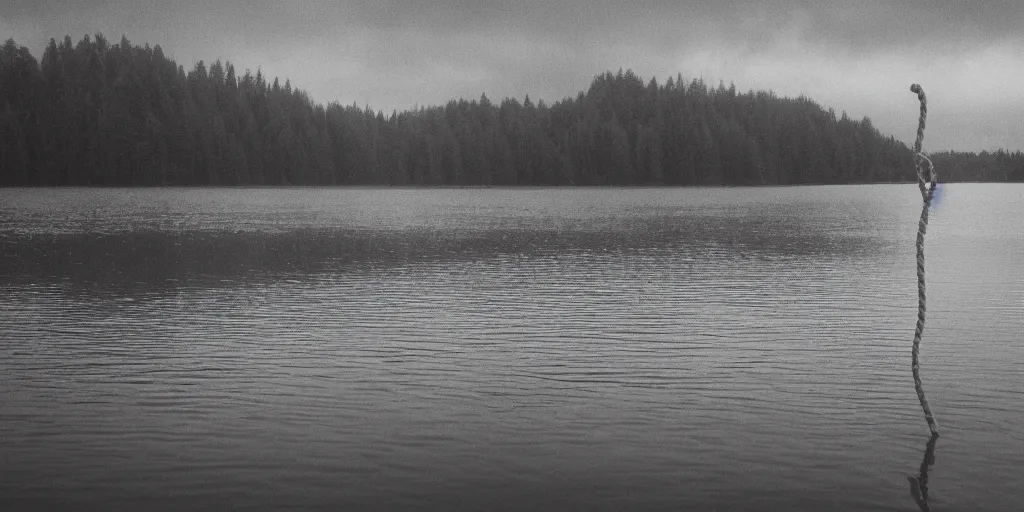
[[96, 113]]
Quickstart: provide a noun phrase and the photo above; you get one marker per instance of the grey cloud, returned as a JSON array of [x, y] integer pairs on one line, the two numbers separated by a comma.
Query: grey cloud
[[853, 24]]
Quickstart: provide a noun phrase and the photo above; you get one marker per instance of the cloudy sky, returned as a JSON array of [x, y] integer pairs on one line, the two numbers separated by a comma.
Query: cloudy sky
[[854, 56]]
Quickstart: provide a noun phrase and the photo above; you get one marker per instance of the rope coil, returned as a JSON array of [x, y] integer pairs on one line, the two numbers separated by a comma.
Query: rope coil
[[926, 183]]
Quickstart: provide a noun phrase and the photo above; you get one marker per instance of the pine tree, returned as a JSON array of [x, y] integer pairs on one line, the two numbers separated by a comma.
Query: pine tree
[[96, 113]]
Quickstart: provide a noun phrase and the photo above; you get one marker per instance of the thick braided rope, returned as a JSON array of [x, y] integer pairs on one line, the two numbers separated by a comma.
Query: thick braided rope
[[927, 186]]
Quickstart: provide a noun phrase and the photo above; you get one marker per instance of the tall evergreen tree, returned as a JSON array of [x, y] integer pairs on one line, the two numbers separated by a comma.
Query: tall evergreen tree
[[95, 113]]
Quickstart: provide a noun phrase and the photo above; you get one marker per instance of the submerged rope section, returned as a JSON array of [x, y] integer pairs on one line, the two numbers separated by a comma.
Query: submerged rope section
[[927, 185]]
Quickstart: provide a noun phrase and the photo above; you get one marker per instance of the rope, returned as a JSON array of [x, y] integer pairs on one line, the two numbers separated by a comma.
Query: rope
[[927, 186]]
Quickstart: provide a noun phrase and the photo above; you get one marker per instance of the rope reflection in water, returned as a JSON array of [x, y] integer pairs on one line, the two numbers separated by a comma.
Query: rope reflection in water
[[919, 484]]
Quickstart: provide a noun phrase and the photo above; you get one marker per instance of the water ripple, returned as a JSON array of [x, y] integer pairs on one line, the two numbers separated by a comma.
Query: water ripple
[[516, 349]]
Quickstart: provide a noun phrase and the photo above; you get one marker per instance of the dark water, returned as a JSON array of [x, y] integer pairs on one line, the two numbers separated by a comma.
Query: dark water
[[564, 349]]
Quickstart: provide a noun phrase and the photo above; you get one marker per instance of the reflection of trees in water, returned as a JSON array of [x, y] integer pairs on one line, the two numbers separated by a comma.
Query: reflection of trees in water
[[919, 484], [150, 260]]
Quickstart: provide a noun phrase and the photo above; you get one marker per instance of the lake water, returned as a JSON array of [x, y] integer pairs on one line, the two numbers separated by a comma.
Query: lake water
[[507, 349]]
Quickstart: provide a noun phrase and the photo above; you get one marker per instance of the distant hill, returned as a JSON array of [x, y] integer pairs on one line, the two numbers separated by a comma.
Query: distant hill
[[95, 113]]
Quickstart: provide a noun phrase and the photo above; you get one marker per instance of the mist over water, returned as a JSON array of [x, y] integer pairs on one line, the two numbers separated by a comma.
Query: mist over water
[[506, 349]]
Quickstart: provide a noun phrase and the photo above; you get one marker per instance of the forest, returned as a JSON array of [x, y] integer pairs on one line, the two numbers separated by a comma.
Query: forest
[[96, 113]]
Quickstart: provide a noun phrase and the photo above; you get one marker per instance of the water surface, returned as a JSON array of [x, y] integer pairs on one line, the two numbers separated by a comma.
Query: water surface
[[506, 349]]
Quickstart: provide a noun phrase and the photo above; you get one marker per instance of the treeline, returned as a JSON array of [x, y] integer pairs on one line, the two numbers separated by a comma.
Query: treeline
[[985, 166], [95, 113]]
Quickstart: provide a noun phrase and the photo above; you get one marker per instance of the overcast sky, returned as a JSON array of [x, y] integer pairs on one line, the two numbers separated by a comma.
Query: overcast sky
[[854, 56]]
